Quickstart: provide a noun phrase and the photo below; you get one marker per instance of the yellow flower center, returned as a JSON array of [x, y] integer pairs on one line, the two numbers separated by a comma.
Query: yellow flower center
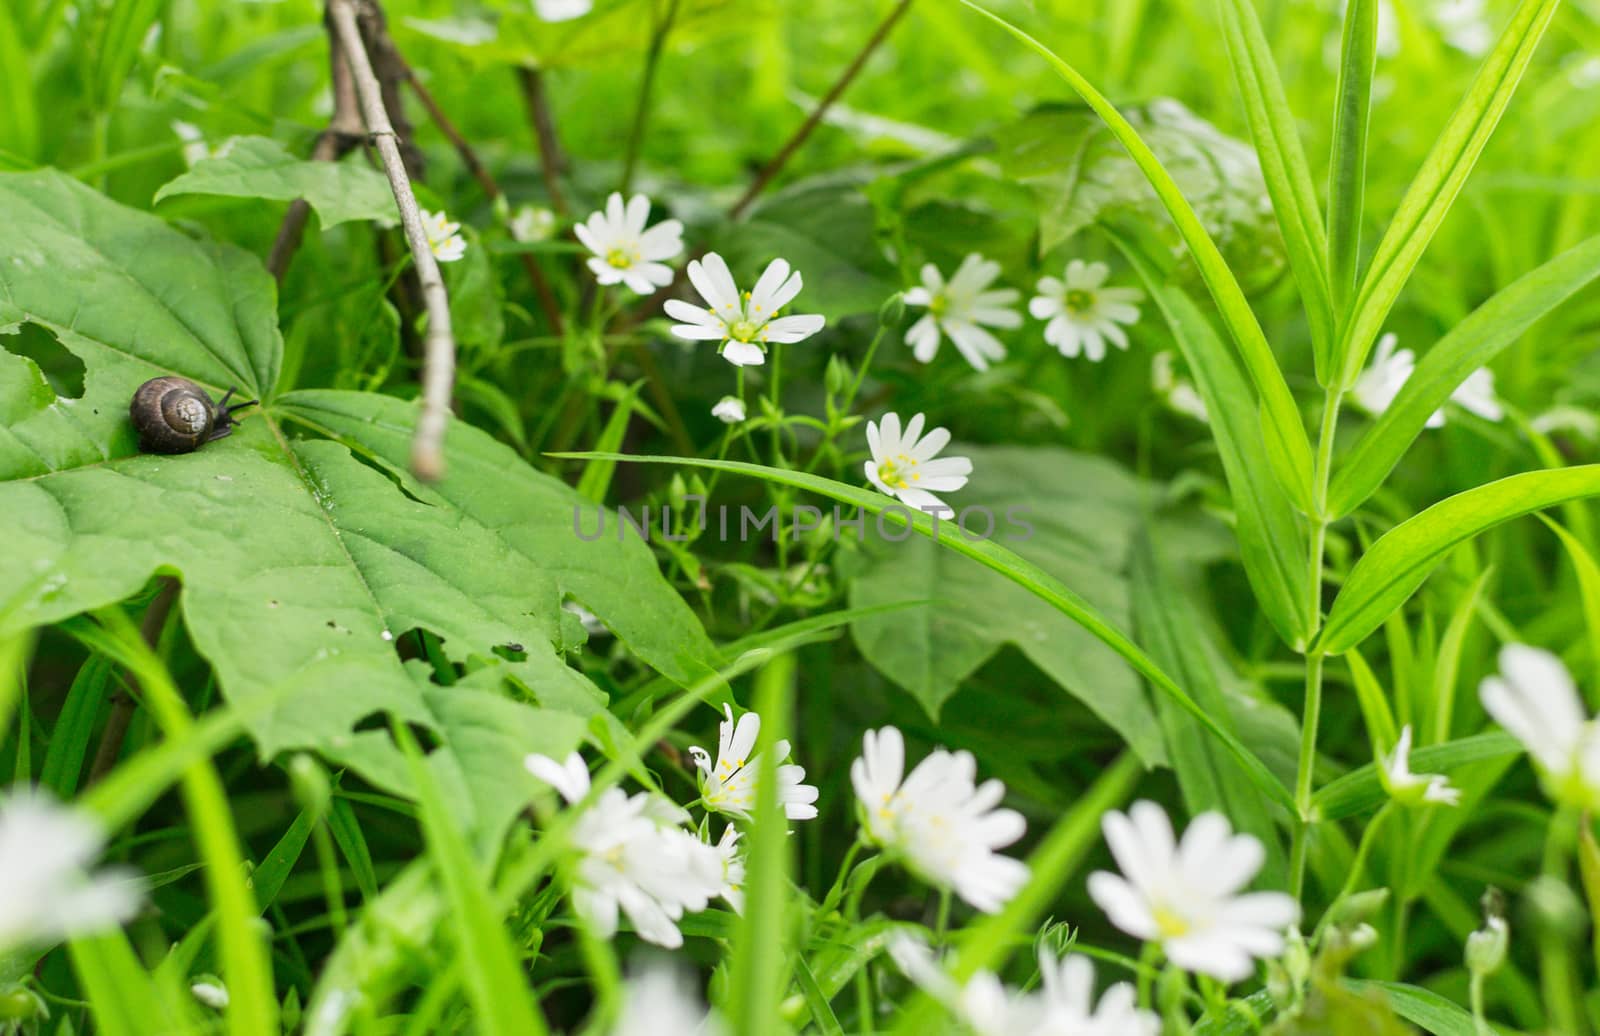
[[896, 471], [1077, 301], [619, 258], [744, 330], [1170, 923], [939, 305]]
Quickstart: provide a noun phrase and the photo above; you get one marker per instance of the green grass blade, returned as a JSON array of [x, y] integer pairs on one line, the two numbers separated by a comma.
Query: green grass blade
[[757, 971], [1347, 169], [1284, 166], [124, 999], [1588, 571], [1376, 715], [1360, 790], [1282, 416], [1440, 179], [495, 982], [1272, 538], [1388, 574], [596, 478], [253, 1008], [1015, 568], [1490, 329], [69, 738]]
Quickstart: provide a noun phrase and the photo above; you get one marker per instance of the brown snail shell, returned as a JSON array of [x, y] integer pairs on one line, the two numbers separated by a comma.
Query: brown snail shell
[[175, 415]]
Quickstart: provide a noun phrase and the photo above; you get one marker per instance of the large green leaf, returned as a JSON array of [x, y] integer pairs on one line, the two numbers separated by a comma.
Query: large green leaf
[[257, 167], [1401, 559], [992, 555], [304, 562], [1475, 341], [1288, 447], [1080, 175], [1082, 513]]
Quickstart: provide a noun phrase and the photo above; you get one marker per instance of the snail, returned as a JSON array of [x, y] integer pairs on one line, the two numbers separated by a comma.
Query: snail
[[174, 415]]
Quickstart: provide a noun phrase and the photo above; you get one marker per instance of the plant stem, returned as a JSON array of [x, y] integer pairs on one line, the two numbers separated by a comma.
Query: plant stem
[[552, 161], [848, 76], [1311, 715], [641, 110]]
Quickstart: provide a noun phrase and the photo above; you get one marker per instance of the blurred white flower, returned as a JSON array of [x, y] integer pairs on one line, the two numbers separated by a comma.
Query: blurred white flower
[[961, 308], [944, 826], [624, 251], [659, 1001], [1465, 25], [1385, 375], [1414, 788], [1083, 313], [1389, 370], [211, 992], [1063, 1006], [1573, 420], [732, 861], [1177, 392], [744, 324], [533, 223], [906, 464], [562, 10], [47, 890], [1186, 895], [1534, 698], [729, 410], [730, 786], [635, 855], [195, 148], [444, 237]]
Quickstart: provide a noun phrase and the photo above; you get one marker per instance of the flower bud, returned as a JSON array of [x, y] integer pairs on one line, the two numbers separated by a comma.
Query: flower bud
[[892, 311], [838, 376], [1555, 909], [1361, 906], [1486, 948]]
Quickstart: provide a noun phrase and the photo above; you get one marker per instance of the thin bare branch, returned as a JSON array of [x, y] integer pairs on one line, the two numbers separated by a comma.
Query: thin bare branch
[[779, 160], [439, 347], [552, 160], [541, 287]]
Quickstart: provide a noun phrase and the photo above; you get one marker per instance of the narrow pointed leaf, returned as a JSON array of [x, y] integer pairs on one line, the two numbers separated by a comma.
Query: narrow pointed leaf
[[1491, 328], [1390, 572], [1347, 169], [1427, 201]]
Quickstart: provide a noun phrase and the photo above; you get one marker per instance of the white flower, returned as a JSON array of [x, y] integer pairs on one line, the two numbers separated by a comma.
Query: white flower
[[907, 466], [939, 821], [195, 148], [1465, 26], [1186, 895], [1083, 313], [1565, 418], [1175, 391], [211, 992], [635, 855], [730, 786], [444, 237], [1377, 386], [533, 223], [561, 10], [732, 862], [659, 1001], [47, 892], [960, 309], [1064, 1006], [744, 324], [624, 251], [1535, 699], [728, 410], [1413, 788]]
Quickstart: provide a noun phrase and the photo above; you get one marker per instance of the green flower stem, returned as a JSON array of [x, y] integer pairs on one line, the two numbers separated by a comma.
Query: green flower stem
[[1311, 715], [1358, 866], [641, 111], [1557, 977]]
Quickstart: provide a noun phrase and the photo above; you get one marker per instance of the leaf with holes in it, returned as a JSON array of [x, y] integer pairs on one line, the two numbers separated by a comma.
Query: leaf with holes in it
[[258, 167], [305, 559]]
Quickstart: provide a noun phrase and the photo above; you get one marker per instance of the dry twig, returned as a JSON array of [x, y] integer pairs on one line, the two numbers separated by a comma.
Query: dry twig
[[439, 347]]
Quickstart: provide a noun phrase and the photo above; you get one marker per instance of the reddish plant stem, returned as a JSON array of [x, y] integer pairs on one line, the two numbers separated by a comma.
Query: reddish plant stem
[[552, 160]]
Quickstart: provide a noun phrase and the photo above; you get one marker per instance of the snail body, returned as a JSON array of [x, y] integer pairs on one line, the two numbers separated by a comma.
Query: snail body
[[175, 415]]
